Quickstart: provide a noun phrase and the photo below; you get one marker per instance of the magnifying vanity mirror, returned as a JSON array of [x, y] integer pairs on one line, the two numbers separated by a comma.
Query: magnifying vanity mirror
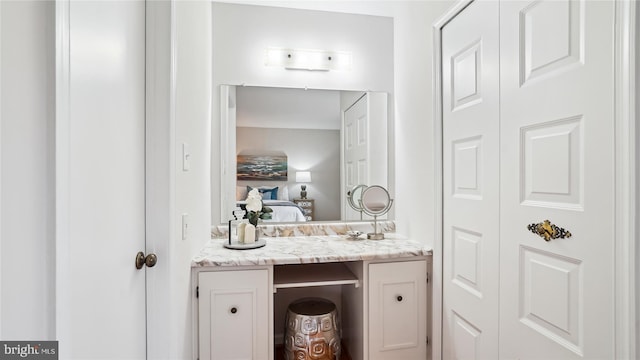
[[299, 129], [372, 200]]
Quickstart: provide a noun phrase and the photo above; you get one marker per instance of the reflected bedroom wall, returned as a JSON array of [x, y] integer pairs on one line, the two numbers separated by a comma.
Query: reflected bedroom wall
[[317, 148]]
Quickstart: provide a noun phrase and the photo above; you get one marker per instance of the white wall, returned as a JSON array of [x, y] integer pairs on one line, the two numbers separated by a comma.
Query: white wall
[[242, 33], [316, 150], [192, 126], [26, 148], [183, 105], [414, 124]]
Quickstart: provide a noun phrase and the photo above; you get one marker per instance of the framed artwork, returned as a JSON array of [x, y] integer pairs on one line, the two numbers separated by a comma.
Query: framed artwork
[[262, 167]]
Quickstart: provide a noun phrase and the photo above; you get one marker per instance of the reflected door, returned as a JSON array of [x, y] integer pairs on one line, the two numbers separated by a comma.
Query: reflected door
[[356, 143]]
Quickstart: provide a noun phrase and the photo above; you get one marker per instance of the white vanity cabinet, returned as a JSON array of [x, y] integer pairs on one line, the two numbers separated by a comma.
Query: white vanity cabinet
[[378, 286], [234, 314], [397, 294]]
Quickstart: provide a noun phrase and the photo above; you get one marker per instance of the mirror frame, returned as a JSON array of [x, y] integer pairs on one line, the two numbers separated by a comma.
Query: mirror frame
[[369, 211]]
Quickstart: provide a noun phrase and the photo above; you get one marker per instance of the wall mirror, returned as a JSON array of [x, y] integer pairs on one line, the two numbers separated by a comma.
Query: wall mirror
[[274, 127], [324, 135]]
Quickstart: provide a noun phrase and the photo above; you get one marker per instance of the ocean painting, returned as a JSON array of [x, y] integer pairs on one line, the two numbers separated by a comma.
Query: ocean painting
[[262, 167]]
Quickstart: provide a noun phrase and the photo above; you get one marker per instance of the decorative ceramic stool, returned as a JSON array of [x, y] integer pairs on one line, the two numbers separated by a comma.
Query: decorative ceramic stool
[[312, 330]]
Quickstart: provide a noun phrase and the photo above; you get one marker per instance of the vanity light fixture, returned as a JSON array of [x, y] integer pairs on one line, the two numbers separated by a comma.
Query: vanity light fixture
[[303, 177], [308, 59]]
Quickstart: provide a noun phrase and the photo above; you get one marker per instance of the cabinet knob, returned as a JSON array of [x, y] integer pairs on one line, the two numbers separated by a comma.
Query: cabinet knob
[[234, 310], [399, 298]]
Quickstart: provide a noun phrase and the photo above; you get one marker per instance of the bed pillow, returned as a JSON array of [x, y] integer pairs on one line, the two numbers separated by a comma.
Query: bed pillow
[[268, 193], [283, 194]]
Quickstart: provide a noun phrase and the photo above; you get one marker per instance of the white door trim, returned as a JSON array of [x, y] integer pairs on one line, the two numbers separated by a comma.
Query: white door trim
[[160, 169], [62, 127], [625, 96], [625, 173]]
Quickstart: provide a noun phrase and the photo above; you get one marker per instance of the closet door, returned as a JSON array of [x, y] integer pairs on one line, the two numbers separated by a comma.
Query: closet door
[[556, 296], [471, 183]]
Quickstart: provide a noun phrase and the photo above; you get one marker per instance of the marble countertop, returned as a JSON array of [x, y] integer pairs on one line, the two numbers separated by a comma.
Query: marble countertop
[[309, 249]]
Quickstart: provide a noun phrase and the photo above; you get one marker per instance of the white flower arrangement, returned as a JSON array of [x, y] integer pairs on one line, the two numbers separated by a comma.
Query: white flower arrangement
[[255, 209]]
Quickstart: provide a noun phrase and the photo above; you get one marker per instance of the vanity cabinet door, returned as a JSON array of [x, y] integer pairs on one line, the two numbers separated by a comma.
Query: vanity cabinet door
[[398, 310], [234, 314]]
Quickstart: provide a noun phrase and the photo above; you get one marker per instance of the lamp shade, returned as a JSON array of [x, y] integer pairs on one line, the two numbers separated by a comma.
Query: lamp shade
[[303, 176]]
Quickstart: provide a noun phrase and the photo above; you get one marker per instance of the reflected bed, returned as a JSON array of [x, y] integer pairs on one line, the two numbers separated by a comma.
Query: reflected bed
[[283, 210]]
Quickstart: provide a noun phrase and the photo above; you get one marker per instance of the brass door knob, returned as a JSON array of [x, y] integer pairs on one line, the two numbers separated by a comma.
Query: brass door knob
[[149, 260], [548, 231]]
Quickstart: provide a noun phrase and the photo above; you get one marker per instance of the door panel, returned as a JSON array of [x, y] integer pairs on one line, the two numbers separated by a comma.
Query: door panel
[[471, 187], [550, 295], [556, 145], [556, 297], [551, 37]]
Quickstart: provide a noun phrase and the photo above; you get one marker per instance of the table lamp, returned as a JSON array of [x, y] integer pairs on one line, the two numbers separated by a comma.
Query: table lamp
[[303, 177]]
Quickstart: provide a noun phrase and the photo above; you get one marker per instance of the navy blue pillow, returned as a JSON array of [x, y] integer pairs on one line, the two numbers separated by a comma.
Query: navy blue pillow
[[267, 193]]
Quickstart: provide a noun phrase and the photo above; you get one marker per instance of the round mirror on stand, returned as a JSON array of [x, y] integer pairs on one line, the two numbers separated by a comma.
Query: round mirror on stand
[[375, 201]]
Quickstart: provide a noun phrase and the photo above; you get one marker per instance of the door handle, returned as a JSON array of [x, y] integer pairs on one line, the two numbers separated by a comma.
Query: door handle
[[548, 231], [149, 260]]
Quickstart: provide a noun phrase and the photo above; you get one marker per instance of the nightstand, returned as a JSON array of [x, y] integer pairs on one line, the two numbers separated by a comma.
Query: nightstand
[[307, 207]]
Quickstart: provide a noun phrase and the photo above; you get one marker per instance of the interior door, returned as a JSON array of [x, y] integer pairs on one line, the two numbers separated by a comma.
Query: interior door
[[100, 179], [356, 150], [470, 52], [557, 296]]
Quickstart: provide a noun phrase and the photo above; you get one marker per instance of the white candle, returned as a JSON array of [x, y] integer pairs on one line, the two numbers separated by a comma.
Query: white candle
[[249, 234], [241, 230]]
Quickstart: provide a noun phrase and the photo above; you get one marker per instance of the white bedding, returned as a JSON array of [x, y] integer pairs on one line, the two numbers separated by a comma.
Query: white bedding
[[283, 211]]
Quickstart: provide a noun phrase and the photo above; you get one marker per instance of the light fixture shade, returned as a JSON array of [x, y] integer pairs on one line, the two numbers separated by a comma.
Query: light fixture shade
[[308, 59], [303, 176]]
